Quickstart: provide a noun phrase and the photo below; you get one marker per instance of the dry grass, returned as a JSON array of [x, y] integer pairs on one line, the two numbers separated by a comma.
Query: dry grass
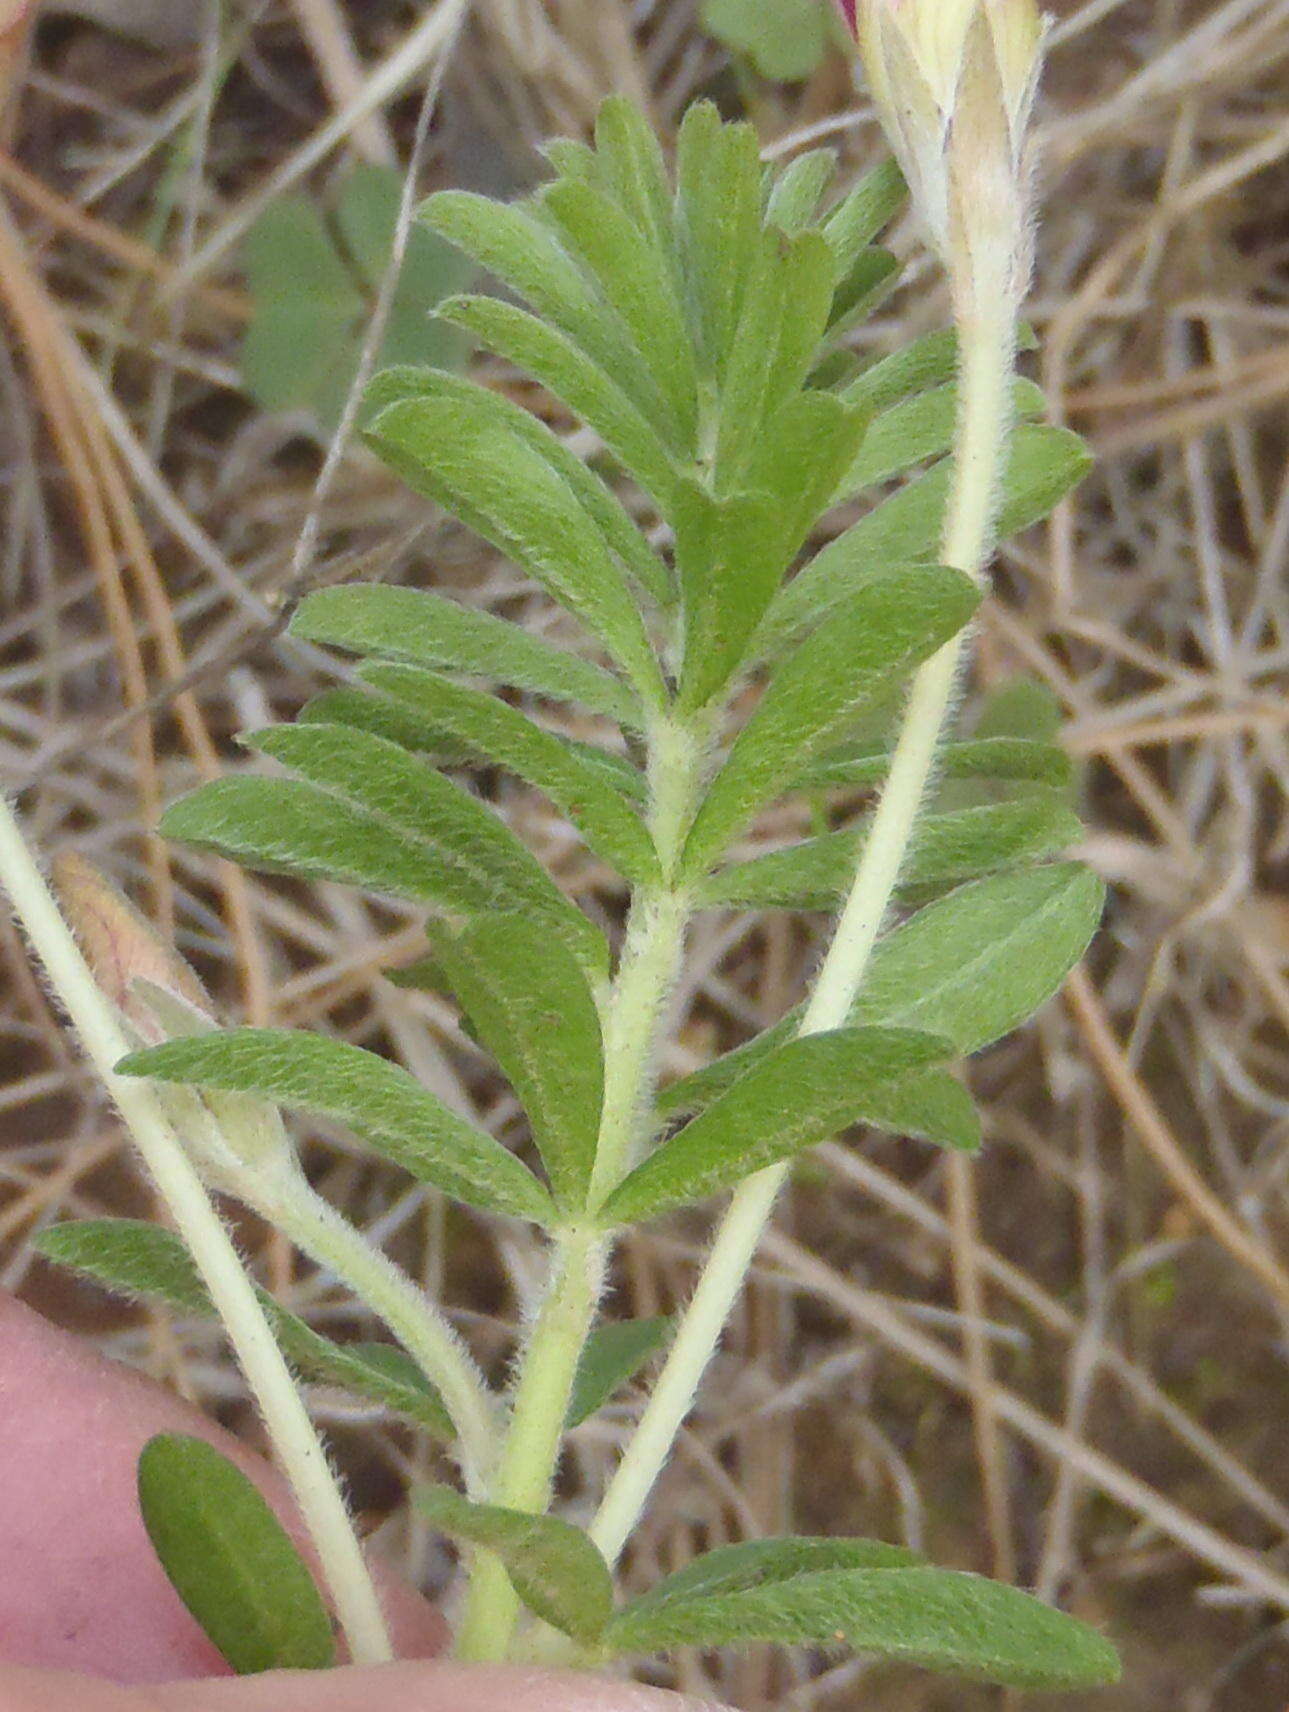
[[1124, 1402]]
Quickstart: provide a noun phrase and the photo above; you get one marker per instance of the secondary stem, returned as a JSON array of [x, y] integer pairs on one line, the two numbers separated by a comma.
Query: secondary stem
[[332, 1242], [294, 1440], [987, 347], [646, 975]]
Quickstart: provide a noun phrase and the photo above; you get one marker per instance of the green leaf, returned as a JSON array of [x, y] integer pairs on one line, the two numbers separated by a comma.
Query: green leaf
[[461, 452], [141, 1260], [230, 1560], [529, 1003], [488, 867], [945, 849], [281, 826], [636, 278], [565, 370], [718, 214], [872, 277], [555, 1569], [857, 219], [806, 446], [691, 1093], [580, 786], [425, 629], [378, 1100], [364, 710], [978, 963], [1018, 759], [799, 1096], [765, 1563], [612, 1355], [920, 428], [1045, 463], [785, 39], [631, 161], [798, 190], [521, 250], [946, 1620], [885, 631], [729, 571]]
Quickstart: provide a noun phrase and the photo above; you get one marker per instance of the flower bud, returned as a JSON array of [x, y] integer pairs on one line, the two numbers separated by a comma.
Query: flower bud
[[954, 82]]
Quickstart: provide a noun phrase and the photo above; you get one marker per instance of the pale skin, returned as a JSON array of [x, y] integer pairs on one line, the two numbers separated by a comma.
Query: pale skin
[[88, 1622]]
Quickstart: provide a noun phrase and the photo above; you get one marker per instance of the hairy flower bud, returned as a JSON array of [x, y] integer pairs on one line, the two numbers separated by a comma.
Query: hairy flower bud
[[953, 82]]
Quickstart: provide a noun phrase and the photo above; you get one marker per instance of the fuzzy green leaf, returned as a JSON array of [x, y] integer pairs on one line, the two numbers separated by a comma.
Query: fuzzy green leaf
[[529, 1004], [140, 1260], [798, 190], [378, 1100], [978, 963], [920, 428], [465, 453], [785, 39], [565, 370], [718, 211], [230, 1560], [729, 572], [946, 849], [1013, 759], [1045, 464], [282, 826], [766, 1563], [425, 629], [582, 787], [942, 1619], [884, 632], [792, 1100], [631, 163], [555, 1569], [858, 218], [613, 1354], [636, 278], [517, 246], [490, 867]]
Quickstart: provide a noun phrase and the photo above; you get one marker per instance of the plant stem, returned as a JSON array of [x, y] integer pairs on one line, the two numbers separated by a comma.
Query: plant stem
[[987, 347], [294, 1440], [646, 975], [315, 1226]]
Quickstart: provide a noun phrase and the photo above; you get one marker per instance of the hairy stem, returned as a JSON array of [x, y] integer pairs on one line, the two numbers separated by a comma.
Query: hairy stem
[[646, 976], [294, 1441], [987, 347], [332, 1242]]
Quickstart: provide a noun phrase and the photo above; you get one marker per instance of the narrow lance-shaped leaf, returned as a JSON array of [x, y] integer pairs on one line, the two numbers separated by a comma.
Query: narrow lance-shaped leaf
[[378, 1100], [798, 190], [718, 216], [884, 632], [490, 868], [976, 964], [790, 1101], [613, 1355], [456, 452], [579, 786], [620, 535], [230, 1560], [920, 428], [508, 240], [630, 160], [565, 370], [425, 629], [1012, 759], [729, 570], [765, 1563], [531, 1006], [945, 849], [942, 1619], [555, 1569], [1044, 465], [143, 1261]]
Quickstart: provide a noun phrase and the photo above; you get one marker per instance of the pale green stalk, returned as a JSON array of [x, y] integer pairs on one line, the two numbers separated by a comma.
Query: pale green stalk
[[329, 1240], [646, 976], [988, 348], [294, 1441]]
